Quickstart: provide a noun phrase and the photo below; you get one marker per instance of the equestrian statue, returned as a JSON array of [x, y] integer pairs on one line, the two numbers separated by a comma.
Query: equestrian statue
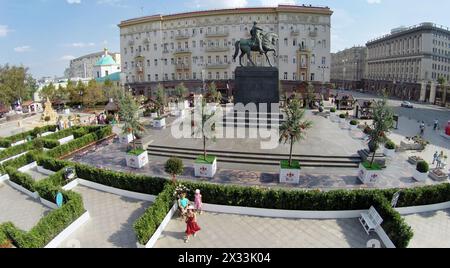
[[261, 42]]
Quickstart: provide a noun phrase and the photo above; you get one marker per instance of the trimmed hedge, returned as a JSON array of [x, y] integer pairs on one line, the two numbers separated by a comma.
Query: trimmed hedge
[[12, 151], [72, 146], [20, 178], [4, 241], [61, 134], [49, 226], [6, 142], [147, 224], [52, 164], [124, 181]]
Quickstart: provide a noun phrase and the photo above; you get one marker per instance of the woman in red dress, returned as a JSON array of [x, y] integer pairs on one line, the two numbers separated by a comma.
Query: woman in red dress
[[191, 221]]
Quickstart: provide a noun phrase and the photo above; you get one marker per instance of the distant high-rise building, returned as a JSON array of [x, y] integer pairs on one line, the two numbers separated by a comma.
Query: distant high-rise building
[[348, 67]]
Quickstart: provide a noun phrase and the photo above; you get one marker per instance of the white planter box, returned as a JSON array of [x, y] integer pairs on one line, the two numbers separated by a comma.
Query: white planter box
[[18, 143], [13, 157], [154, 115], [69, 230], [67, 111], [179, 113], [290, 176], [46, 133], [205, 170], [27, 167], [125, 139], [138, 161], [4, 178], [18, 187], [389, 153], [368, 176], [66, 139], [421, 177], [1, 148], [353, 127], [159, 123], [48, 203]]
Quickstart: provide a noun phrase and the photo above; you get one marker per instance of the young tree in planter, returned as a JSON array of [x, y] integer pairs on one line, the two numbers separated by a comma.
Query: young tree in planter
[[160, 101], [174, 166], [180, 91], [383, 122], [213, 94], [293, 129], [129, 114], [203, 125]]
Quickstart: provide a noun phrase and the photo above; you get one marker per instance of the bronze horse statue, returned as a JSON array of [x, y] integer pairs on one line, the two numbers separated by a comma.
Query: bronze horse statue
[[269, 43]]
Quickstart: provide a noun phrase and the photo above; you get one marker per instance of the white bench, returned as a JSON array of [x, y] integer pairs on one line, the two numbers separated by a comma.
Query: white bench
[[370, 220]]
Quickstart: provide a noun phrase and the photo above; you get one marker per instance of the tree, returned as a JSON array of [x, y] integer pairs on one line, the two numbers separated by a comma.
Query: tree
[[180, 91], [309, 96], [129, 114], [48, 92], [174, 166], [213, 94], [15, 84], [383, 122], [204, 125], [93, 94], [161, 100], [443, 83], [293, 129]]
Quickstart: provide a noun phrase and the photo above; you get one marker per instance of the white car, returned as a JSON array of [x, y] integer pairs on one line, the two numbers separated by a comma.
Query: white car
[[407, 104]]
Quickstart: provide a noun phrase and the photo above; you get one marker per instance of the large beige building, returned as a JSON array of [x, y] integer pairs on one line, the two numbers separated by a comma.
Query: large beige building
[[348, 67], [197, 46], [408, 62], [83, 67]]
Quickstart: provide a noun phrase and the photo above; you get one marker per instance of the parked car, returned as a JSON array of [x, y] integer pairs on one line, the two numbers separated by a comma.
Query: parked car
[[407, 104]]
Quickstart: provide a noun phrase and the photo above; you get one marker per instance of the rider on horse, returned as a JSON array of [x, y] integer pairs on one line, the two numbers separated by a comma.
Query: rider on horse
[[256, 37]]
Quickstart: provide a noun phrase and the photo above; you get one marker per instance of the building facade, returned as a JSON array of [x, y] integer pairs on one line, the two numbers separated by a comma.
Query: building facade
[[197, 47], [409, 61], [348, 67], [83, 67]]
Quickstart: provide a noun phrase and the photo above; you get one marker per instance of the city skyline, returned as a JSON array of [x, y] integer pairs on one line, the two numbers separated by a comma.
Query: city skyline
[[30, 34]]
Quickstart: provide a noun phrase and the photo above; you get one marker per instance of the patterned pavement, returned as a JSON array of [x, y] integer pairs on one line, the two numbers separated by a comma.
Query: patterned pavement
[[238, 231], [111, 223], [431, 229], [19, 208]]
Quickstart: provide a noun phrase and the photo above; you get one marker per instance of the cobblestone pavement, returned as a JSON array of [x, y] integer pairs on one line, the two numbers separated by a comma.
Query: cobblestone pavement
[[238, 231], [431, 229], [111, 222], [19, 208]]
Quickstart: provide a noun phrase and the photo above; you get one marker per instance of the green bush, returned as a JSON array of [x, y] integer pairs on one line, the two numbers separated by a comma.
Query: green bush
[[147, 224], [103, 132], [423, 167], [333, 110], [354, 122], [342, 116], [15, 150], [124, 181], [49, 226], [390, 145], [21, 179], [52, 164], [72, 146], [78, 133], [174, 166], [4, 143]]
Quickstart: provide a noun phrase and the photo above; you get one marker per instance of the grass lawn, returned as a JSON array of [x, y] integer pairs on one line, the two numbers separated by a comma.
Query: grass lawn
[[209, 159], [285, 164]]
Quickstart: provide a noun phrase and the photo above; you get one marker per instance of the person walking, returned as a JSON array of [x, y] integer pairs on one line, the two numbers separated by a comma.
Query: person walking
[[422, 128], [435, 157], [191, 224], [198, 201], [436, 125]]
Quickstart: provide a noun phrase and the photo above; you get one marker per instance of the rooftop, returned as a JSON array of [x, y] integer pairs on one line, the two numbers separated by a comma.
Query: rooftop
[[279, 8]]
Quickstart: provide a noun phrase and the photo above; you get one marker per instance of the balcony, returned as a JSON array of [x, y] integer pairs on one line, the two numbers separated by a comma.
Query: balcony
[[218, 65], [217, 49], [182, 66], [313, 34], [182, 36], [217, 34], [182, 50], [295, 33]]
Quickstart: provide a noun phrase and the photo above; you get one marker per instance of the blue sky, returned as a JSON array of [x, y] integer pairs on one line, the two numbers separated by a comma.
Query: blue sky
[[46, 34]]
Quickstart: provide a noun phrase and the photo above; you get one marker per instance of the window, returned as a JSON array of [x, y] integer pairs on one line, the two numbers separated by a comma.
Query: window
[[98, 74], [324, 60], [132, 50], [186, 45], [217, 75], [156, 77], [132, 64], [194, 75], [165, 62], [285, 41], [166, 77], [106, 73], [294, 76], [209, 75], [209, 59], [179, 76], [173, 76], [155, 47], [312, 77], [285, 76], [225, 75], [194, 44], [149, 78], [294, 42], [148, 63], [156, 62], [225, 59], [125, 51], [294, 61]]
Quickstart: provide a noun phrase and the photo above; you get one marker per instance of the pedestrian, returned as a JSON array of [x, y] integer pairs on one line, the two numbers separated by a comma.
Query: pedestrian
[[183, 204], [440, 160], [436, 124], [435, 157], [422, 128], [191, 224], [198, 201]]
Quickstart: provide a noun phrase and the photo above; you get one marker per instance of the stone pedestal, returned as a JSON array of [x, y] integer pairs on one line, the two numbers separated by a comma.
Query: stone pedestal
[[257, 85]]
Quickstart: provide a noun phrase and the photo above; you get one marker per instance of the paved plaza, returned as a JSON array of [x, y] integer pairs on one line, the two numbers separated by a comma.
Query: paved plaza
[[111, 222], [431, 229], [20, 209], [239, 231], [35, 174]]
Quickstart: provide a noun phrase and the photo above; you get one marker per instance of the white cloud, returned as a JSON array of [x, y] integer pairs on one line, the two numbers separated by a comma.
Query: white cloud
[[22, 49], [67, 58], [201, 4], [272, 3], [81, 44], [74, 2], [374, 1], [4, 30]]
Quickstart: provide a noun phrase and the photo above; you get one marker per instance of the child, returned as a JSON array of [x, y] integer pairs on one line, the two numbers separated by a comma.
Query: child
[[183, 204], [192, 227], [198, 201]]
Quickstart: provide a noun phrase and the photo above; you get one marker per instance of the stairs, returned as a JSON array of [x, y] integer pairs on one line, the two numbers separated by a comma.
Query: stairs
[[252, 120], [256, 158]]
